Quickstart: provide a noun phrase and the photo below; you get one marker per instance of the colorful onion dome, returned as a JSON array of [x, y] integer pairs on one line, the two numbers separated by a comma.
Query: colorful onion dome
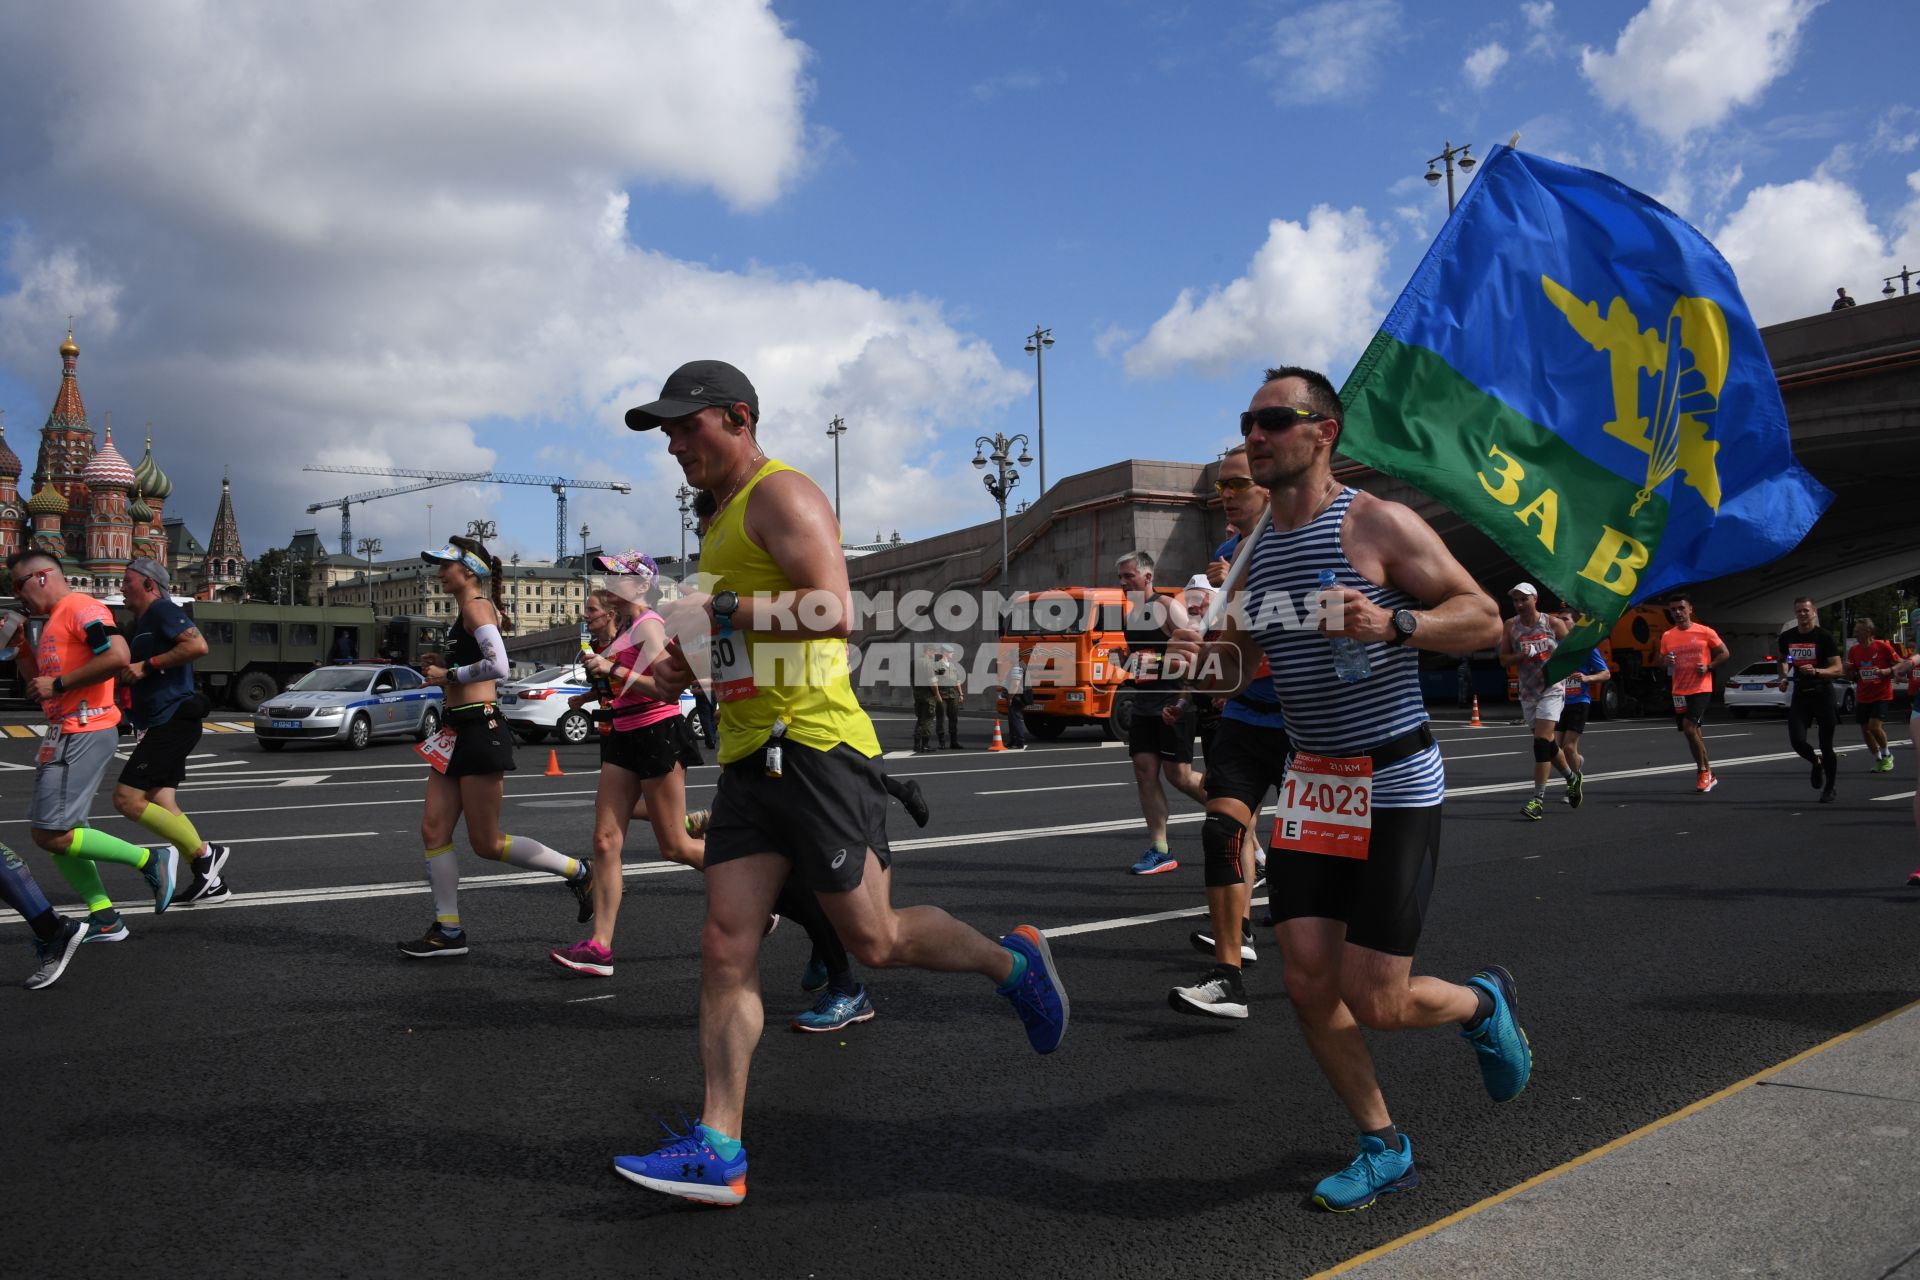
[[107, 468], [152, 480], [49, 501]]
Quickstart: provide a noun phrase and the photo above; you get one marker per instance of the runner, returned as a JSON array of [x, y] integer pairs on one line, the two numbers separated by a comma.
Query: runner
[[472, 755], [168, 708], [1870, 663], [1527, 643], [1691, 650], [71, 675], [1810, 657], [644, 758], [1248, 758], [1357, 843], [797, 784], [1160, 747], [1581, 684]]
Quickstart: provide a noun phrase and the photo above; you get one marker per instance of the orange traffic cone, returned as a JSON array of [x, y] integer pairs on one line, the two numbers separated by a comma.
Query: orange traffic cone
[[997, 744], [1475, 722], [553, 764]]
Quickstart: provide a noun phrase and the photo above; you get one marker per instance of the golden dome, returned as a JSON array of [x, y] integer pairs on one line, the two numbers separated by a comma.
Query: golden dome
[[69, 347]]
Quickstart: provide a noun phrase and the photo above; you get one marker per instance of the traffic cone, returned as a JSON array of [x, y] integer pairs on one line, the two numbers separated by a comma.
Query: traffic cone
[[997, 744], [1475, 722], [553, 764]]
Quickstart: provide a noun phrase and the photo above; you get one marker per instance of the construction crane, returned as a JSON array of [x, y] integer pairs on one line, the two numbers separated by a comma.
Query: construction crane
[[346, 504], [559, 485]]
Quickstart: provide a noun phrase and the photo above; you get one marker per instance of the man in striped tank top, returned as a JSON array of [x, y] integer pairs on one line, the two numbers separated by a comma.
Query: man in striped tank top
[[1356, 846]]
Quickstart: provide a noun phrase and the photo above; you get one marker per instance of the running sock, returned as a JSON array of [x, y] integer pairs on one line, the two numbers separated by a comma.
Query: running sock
[[1540, 792], [85, 881], [18, 890], [97, 846], [443, 878], [723, 1146], [1019, 970], [1160, 845], [1482, 1007], [175, 828], [525, 851], [843, 983], [1389, 1135]]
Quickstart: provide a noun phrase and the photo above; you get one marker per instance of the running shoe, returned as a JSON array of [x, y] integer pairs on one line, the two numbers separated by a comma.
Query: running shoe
[[1914, 878], [583, 890], [1375, 1172], [815, 975], [1705, 783], [689, 1167], [915, 803], [1153, 863], [833, 1011], [212, 863], [586, 957], [1576, 788], [1038, 997], [106, 926], [203, 891], [1819, 775], [1535, 808], [163, 866], [697, 823], [1827, 796], [51, 957], [1202, 940], [1218, 994], [1883, 765], [1506, 1059], [436, 942]]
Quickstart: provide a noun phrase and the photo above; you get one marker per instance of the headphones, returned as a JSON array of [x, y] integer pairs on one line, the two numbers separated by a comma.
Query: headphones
[[734, 419]]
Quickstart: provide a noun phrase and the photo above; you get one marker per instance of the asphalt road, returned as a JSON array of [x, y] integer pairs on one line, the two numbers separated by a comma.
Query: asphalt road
[[267, 1085]]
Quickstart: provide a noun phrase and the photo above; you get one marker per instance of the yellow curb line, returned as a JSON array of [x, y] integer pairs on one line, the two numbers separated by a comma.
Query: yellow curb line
[[1432, 1228]]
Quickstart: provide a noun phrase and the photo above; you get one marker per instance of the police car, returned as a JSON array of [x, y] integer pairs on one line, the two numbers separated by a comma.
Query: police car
[[352, 703], [537, 706]]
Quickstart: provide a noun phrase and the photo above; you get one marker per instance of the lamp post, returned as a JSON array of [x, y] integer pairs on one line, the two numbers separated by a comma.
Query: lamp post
[[429, 524], [684, 496], [1449, 154], [836, 429], [1002, 479], [1037, 343], [481, 530], [369, 547], [1903, 275]]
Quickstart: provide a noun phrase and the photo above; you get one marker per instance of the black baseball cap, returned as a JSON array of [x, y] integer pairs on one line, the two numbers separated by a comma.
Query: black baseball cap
[[691, 388]]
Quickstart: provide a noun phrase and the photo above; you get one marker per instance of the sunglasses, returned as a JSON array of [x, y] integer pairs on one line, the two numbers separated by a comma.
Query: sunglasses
[[1237, 484], [1275, 419]]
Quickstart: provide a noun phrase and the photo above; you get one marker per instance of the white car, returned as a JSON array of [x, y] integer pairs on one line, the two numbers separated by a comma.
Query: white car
[[537, 706], [1760, 688]]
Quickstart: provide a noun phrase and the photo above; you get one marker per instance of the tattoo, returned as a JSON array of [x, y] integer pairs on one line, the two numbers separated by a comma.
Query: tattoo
[[191, 633]]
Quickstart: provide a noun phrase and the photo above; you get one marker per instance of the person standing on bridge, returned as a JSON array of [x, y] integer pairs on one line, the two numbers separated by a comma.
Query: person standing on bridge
[[473, 754], [1356, 846], [1161, 746], [798, 785], [168, 709], [1810, 658], [1691, 649]]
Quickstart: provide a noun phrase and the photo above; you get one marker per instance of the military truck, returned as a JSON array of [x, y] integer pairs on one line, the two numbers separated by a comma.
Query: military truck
[[255, 650]]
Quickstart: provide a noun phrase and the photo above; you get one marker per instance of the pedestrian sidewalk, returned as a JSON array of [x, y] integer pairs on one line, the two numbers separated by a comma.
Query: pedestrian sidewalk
[[1811, 1169]]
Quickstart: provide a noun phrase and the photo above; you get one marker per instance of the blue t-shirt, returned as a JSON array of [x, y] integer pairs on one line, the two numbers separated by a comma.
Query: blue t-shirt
[[1242, 706], [156, 698], [1595, 664]]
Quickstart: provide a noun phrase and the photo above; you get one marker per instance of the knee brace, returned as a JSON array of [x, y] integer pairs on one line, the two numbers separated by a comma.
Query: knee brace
[[1220, 838], [1544, 750]]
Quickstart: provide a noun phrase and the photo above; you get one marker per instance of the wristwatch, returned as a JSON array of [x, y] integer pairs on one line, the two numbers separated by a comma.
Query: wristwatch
[[724, 603], [1405, 623]]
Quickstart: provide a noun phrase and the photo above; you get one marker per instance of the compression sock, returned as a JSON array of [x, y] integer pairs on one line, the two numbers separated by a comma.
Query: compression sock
[[726, 1148], [97, 846], [797, 903], [80, 874], [1019, 970], [443, 878], [843, 983], [525, 851], [175, 828], [1390, 1136], [18, 890], [1160, 845]]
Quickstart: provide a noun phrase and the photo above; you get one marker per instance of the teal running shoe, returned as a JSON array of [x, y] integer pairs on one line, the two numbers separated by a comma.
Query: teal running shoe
[[690, 1168], [833, 1011], [1038, 997], [162, 872], [1506, 1059], [1375, 1172], [106, 926]]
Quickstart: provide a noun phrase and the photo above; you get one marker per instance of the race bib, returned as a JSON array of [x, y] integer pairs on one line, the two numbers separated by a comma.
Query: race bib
[[1326, 806], [438, 750], [1679, 704], [732, 669], [49, 745]]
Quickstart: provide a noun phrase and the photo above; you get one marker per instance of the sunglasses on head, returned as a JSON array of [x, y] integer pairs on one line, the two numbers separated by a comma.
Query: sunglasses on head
[[1275, 418], [1233, 484]]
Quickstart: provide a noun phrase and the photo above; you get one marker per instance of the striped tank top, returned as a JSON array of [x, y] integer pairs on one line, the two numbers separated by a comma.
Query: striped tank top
[[1324, 714]]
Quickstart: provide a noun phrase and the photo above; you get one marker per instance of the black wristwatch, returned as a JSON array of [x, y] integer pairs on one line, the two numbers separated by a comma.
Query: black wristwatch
[[1405, 623], [724, 603]]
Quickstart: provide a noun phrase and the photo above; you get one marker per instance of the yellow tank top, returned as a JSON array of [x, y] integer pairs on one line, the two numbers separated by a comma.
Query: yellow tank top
[[814, 691]]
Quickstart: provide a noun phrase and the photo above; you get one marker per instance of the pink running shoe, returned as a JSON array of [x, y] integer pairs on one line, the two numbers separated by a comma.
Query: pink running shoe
[[1914, 879], [587, 958]]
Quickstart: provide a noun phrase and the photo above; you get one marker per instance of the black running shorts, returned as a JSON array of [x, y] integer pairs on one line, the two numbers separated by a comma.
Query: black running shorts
[[1245, 762], [653, 750], [482, 743], [1382, 900], [1148, 734], [1865, 713], [1573, 717], [159, 759], [822, 814], [1690, 706]]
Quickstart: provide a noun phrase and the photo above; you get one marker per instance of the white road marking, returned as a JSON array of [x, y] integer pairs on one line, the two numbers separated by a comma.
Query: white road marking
[[1898, 795], [1124, 922], [586, 999], [217, 764], [1078, 786]]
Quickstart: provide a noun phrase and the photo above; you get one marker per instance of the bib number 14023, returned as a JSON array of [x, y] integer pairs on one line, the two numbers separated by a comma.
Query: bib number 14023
[[1326, 806]]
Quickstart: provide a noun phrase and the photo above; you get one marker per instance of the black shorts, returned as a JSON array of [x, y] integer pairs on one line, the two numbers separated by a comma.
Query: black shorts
[[653, 750], [1573, 717], [1383, 899], [1864, 713], [1690, 706], [482, 742], [159, 759], [822, 814], [1246, 761], [1148, 734]]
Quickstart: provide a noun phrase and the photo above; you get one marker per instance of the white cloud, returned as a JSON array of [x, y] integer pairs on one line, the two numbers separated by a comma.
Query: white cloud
[[1485, 62], [1684, 65], [1329, 51], [1791, 245], [1311, 296], [375, 233], [1539, 15]]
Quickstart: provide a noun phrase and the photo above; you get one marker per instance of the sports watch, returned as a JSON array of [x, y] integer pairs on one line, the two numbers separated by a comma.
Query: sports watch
[[724, 603], [1405, 623]]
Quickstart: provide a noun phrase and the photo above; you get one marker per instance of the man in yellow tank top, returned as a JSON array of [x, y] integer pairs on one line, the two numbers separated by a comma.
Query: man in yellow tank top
[[799, 787]]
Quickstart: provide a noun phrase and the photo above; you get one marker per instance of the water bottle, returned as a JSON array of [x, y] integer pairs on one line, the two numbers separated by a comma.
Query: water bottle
[[1350, 661]]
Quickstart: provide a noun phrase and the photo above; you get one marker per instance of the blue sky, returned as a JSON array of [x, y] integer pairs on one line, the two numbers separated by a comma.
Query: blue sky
[[459, 236]]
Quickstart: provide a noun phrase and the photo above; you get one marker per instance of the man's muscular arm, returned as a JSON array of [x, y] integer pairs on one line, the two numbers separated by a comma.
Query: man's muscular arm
[[1392, 546]]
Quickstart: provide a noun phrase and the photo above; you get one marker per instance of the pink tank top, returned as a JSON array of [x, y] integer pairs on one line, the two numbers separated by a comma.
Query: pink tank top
[[631, 708]]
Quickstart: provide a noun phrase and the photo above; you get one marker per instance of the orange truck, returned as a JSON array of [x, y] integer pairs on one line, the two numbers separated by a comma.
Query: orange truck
[[1072, 643]]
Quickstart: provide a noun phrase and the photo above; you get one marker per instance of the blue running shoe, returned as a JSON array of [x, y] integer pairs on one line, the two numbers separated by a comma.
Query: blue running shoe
[[814, 976], [1375, 1172], [1153, 863], [162, 871], [1506, 1059], [832, 1011], [106, 926], [1038, 997], [689, 1167]]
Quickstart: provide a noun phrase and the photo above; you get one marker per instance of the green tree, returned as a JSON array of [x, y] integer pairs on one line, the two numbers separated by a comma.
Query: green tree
[[276, 579]]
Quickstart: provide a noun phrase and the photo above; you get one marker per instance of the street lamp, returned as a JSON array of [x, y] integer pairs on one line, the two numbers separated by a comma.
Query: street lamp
[[1037, 343], [1903, 276], [684, 496], [1449, 154], [836, 429], [481, 530], [1002, 479], [369, 547]]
